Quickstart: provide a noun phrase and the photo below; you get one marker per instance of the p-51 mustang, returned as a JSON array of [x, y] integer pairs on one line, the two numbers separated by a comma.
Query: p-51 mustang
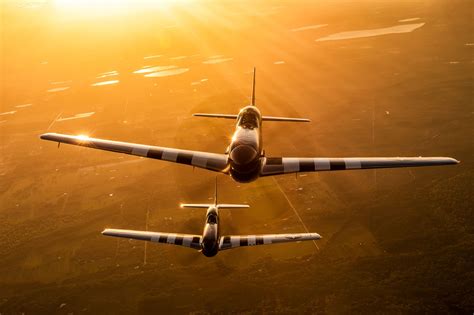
[[210, 242], [245, 160]]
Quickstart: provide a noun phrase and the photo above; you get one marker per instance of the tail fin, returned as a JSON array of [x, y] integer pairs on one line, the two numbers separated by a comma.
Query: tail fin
[[215, 193], [217, 205], [253, 86]]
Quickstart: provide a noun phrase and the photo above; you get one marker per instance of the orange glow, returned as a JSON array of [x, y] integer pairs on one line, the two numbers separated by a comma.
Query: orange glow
[[375, 77], [108, 7], [82, 137]]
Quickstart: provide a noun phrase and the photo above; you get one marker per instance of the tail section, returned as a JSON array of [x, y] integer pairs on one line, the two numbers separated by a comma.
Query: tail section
[[215, 192], [253, 87], [264, 118], [215, 204]]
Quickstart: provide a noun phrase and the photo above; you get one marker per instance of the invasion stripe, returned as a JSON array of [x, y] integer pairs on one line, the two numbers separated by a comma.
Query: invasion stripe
[[352, 163], [170, 155], [196, 244], [184, 158], [195, 240], [140, 150], [198, 160], [291, 165], [187, 241], [215, 164], [306, 165], [321, 164], [337, 165], [163, 239], [235, 241], [267, 239], [171, 238], [244, 241], [178, 240], [226, 240], [259, 240], [155, 154], [274, 161], [251, 240]]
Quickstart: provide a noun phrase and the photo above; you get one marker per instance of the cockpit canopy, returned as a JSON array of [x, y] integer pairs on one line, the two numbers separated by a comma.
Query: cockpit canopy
[[212, 218], [248, 118]]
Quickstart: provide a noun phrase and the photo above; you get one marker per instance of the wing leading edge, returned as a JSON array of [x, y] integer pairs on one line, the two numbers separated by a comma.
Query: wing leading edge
[[210, 161], [234, 241], [186, 240], [278, 165]]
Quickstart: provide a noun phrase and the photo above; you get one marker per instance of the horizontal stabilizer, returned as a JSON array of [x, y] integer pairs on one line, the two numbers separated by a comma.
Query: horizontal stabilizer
[[226, 116], [231, 206], [233, 241], [264, 118], [196, 205], [288, 119], [219, 206], [186, 240]]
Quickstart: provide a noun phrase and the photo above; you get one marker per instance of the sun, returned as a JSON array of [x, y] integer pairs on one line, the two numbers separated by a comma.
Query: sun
[[88, 3]]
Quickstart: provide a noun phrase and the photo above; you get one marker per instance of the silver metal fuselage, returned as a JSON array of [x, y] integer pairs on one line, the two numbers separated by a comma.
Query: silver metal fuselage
[[245, 151], [210, 234]]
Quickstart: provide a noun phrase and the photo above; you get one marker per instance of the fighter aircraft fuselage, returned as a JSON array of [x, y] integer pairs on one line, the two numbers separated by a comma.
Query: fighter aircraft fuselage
[[245, 150], [210, 235]]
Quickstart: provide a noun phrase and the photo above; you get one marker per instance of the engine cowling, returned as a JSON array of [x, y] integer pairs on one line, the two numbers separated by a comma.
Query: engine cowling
[[243, 155]]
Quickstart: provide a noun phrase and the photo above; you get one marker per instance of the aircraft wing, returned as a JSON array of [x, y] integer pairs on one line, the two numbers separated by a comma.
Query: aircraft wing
[[278, 165], [233, 241], [186, 240], [210, 161]]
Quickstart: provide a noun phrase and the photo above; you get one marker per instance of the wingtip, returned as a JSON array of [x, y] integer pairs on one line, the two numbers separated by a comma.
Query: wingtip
[[106, 232], [453, 161], [45, 136]]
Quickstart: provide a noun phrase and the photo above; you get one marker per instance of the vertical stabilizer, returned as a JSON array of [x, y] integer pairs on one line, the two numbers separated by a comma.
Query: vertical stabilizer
[[215, 193], [253, 86]]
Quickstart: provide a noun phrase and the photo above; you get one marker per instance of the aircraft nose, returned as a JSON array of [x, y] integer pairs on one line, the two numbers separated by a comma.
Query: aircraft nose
[[243, 154]]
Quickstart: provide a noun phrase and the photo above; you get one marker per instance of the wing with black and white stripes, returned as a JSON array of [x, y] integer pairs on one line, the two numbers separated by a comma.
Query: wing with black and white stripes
[[186, 240], [210, 161], [233, 241], [279, 165]]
